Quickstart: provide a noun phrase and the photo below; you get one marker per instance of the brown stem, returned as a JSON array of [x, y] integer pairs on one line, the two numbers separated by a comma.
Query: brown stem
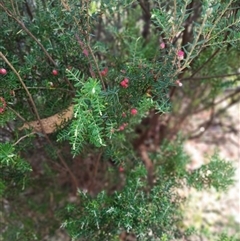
[[146, 18], [148, 163], [95, 172]]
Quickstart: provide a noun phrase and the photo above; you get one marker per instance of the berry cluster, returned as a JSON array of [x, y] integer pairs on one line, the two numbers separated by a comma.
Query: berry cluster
[[124, 83]]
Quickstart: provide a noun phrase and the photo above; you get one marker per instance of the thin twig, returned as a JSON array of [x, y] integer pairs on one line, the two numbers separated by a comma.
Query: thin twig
[[23, 137], [47, 88], [95, 171], [95, 62], [209, 77], [218, 102], [29, 33], [16, 113], [188, 60], [218, 19]]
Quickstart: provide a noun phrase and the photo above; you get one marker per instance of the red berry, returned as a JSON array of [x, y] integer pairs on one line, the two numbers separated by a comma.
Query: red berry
[[121, 128], [162, 45], [121, 169], [3, 71], [104, 72], [124, 83], [180, 54], [55, 72], [126, 80], [134, 111]]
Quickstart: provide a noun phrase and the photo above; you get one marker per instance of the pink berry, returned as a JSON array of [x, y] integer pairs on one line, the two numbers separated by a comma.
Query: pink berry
[[162, 45], [126, 80], [134, 111], [124, 83], [180, 55], [85, 52], [121, 169], [3, 71], [121, 128], [55, 72]]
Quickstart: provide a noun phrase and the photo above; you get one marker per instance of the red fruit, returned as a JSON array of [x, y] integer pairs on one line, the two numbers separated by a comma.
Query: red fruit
[[121, 169], [180, 55], [3, 71], [134, 111], [121, 128], [55, 72], [104, 72], [126, 80], [124, 83]]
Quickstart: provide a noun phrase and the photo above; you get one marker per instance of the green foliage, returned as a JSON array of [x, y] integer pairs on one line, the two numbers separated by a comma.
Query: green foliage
[[147, 215], [88, 111], [13, 168], [174, 158], [225, 237], [218, 173], [8, 116]]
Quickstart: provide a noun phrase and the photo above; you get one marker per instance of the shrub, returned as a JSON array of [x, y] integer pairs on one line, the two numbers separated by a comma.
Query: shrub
[[94, 79]]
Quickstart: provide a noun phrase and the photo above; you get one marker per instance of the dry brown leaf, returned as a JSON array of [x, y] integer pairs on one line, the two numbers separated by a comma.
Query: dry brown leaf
[[50, 124]]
